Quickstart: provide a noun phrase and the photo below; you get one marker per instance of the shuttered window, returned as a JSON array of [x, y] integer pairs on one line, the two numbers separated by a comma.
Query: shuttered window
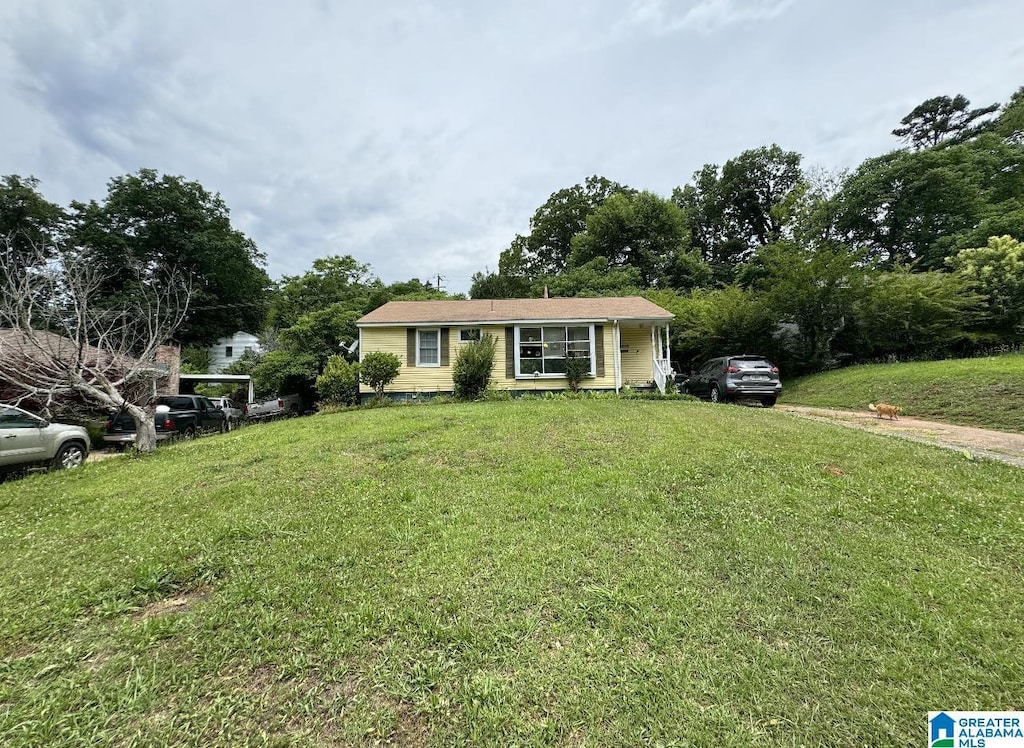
[[428, 347]]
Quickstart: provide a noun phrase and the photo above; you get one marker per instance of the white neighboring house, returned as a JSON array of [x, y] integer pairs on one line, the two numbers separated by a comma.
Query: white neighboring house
[[227, 351]]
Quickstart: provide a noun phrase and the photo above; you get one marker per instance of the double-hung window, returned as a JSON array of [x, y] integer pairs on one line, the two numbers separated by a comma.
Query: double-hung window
[[428, 347], [542, 351]]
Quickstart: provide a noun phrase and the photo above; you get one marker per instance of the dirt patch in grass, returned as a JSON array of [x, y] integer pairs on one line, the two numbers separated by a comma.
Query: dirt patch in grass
[[21, 652], [96, 662], [181, 603]]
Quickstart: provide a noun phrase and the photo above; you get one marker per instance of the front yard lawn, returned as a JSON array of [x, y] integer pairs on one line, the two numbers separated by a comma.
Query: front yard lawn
[[569, 572]]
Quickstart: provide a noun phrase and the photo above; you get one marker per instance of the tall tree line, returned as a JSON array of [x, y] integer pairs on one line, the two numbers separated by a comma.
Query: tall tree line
[[147, 224], [910, 254], [150, 225]]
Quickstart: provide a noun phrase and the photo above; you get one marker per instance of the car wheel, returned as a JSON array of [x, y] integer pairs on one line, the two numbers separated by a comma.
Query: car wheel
[[768, 402], [70, 456], [225, 426], [188, 434], [295, 411], [716, 394]]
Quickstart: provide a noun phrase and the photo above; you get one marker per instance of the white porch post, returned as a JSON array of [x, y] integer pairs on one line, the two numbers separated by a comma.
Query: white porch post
[[617, 355], [661, 355]]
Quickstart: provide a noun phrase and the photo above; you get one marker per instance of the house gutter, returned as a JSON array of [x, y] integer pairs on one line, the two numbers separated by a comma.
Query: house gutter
[[359, 359], [507, 322]]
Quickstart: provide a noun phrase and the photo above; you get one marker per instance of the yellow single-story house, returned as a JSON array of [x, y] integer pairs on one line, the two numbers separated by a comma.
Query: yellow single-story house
[[624, 338]]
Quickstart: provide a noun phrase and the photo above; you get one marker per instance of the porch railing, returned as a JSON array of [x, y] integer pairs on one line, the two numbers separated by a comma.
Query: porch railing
[[662, 373]]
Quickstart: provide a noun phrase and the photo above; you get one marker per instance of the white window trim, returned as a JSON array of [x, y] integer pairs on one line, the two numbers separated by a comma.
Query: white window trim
[[593, 352], [479, 334], [434, 330]]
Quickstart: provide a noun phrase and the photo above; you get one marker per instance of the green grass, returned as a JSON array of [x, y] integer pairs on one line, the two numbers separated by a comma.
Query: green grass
[[987, 392], [568, 572]]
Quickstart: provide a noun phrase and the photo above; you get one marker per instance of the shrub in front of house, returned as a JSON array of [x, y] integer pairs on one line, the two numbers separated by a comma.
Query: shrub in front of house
[[471, 372], [577, 368], [378, 370], [339, 383]]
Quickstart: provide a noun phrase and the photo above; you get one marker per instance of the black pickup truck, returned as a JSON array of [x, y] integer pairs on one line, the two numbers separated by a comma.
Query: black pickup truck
[[182, 416]]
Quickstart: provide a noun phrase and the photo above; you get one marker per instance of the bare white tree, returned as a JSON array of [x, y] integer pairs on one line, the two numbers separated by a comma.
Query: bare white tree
[[60, 338]]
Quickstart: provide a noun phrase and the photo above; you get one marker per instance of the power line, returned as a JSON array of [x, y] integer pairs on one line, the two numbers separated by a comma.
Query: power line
[[327, 298]]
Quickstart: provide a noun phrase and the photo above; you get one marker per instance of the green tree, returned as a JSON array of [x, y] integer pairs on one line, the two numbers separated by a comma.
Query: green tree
[[595, 278], [28, 222], [379, 369], [914, 207], [639, 230], [321, 332], [703, 204], [285, 372], [812, 290], [749, 203], [498, 286], [335, 292], [903, 314], [411, 290], [710, 321], [997, 271], [942, 119], [167, 221], [816, 215], [474, 364], [332, 280], [1010, 123], [245, 364], [762, 189], [196, 360], [546, 249]]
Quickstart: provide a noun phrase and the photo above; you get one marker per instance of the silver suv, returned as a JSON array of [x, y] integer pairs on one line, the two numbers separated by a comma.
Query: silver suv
[[233, 414], [27, 440], [728, 378]]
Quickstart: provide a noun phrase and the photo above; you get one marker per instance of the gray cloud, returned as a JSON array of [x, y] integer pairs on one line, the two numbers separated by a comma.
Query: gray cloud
[[664, 16], [420, 136]]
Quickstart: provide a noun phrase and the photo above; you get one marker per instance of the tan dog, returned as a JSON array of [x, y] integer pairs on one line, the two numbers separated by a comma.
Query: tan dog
[[884, 409]]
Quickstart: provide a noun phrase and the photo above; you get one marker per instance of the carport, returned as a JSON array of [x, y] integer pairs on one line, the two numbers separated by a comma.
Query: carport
[[192, 379]]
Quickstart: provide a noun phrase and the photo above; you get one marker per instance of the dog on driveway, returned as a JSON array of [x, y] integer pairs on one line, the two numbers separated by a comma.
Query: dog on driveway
[[884, 409]]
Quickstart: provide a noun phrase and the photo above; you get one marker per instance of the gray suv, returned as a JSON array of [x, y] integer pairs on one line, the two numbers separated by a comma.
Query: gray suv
[[728, 378], [27, 440]]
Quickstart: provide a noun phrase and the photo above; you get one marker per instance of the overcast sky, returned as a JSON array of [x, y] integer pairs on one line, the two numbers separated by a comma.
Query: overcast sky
[[420, 136]]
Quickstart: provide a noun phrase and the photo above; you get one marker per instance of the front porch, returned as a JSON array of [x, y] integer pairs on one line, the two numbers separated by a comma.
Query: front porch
[[642, 355]]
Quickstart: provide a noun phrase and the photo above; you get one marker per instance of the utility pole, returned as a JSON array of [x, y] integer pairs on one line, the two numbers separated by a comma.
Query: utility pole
[[439, 279]]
